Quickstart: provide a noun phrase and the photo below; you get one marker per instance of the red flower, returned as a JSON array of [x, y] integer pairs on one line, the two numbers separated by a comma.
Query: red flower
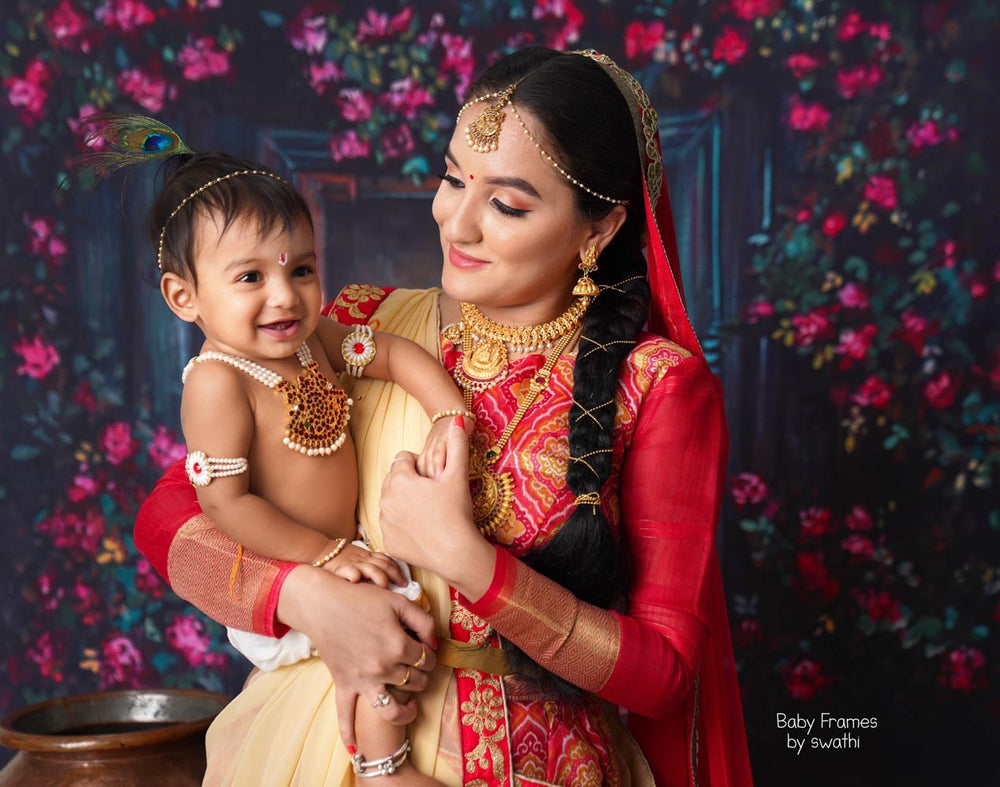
[[914, 330], [962, 669], [807, 117], [850, 27], [200, 60], [730, 46], [852, 296], [65, 25], [855, 343], [873, 392], [124, 15], [348, 145], [642, 38], [858, 518], [564, 11], [814, 577], [397, 142], [377, 27], [84, 487], [405, 97], [851, 81], [29, 93], [812, 327], [355, 105], [940, 391], [880, 606], [881, 190], [117, 442], [39, 357], [801, 64], [834, 223], [805, 679], [749, 10], [748, 489], [859, 546], [816, 521]]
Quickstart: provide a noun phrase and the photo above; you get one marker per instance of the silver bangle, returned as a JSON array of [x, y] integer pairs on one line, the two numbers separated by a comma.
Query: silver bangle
[[370, 769]]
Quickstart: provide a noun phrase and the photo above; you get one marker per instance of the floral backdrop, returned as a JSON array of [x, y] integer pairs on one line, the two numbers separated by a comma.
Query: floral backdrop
[[861, 549]]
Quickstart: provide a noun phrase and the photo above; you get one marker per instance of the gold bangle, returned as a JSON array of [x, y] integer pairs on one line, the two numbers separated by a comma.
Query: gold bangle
[[446, 413], [320, 562]]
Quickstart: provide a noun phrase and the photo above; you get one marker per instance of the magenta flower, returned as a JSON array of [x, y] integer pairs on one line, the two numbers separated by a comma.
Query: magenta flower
[[962, 669], [43, 240], [642, 38], [814, 577], [164, 449], [807, 117], [377, 27], [149, 91], [811, 327], [65, 24], [940, 391], [201, 60], [914, 330], [321, 75], [187, 635], [83, 488], [881, 190], [565, 12], [38, 356], [72, 532], [117, 442], [924, 134], [851, 81], [748, 489], [853, 296], [859, 546], [348, 145], [126, 16], [855, 343], [121, 663], [801, 64], [804, 680], [397, 142], [758, 309], [749, 10], [730, 46], [851, 26], [858, 518], [873, 393], [48, 656], [833, 224], [355, 105], [816, 521], [405, 97], [29, 93], [308, 34]]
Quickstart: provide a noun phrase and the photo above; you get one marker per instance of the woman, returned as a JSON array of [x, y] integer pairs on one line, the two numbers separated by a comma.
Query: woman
[[596, 466]]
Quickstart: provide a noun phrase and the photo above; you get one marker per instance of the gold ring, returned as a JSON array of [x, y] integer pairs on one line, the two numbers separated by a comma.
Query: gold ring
[[423, 657], [406, 678]]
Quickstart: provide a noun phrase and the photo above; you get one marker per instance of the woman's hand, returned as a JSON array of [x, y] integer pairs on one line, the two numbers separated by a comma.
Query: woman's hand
[[362, 633], [428, 522]]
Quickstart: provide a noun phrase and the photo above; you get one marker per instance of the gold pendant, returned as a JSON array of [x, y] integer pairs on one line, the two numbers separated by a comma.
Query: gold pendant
[[485, 363], [492, 495]]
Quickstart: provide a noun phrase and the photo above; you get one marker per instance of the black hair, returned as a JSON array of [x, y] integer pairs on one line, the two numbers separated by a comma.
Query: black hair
[[586, 125], [261, 198]]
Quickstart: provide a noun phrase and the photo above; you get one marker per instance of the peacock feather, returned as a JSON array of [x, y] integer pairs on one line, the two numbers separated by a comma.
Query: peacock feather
[[121, 140]]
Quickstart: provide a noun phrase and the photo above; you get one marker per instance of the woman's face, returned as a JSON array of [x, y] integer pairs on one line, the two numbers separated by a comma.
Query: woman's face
[[510, 231]]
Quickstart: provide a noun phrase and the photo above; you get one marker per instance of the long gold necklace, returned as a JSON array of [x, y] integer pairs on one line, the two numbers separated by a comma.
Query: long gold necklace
[[492, 492], [485, 343]]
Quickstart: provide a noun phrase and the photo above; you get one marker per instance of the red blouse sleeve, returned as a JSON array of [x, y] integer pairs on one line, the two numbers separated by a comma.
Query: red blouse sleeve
[[647, 659]]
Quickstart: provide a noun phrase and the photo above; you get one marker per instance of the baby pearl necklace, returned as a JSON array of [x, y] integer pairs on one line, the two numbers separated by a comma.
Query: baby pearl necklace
[[318, 411]]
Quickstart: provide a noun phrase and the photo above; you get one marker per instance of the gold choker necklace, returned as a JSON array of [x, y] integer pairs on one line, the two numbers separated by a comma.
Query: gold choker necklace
[[486, 344]]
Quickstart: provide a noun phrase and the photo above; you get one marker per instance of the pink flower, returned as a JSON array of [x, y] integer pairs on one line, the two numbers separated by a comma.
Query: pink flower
[[807, 117], [320, 75], [564, 11], [117, 442], [962, 669], [801, 64], [48, 656], [65, 24], [881, 606], [377, 27], [852, 296], [804, 680], [39, 357], [850, 27], [396, 142], [50, 592], [812, 327], [124, 15], [348, 145], [147, 581], [858, 518], [880, 31], [355, 105], [855, 343], [873, 392], [83, 488], [642, 38], [834, 223], [881, 190], [308, 34], [70, 531], [748, 489], [163, 449], [914, 330], [978, 288], [44, 241], [940, 391], [121, 663], [758, 310], [187, 634], [200, 60], [29, 93], [996, 271], [851, 81], [406, 97], [924, 135], [87, 604], [149, 91], [458, 60], [816, 521], [859, 546], [80, 126], [749, 10], [730, 46]]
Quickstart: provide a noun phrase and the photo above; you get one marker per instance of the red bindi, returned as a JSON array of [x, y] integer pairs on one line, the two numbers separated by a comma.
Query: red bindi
[[472, 177]]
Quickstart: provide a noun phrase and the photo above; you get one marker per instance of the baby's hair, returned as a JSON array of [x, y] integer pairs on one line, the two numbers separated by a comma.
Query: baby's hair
[[255, 194]]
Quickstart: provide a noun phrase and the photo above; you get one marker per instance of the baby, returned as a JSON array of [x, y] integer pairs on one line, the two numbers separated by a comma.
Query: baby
[[264, 419]]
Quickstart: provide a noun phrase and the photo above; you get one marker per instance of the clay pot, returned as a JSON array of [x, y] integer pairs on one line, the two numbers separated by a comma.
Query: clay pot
[[148, 737]]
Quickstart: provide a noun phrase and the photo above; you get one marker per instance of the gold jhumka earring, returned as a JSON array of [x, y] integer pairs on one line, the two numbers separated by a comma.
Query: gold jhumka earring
[[585, 285]]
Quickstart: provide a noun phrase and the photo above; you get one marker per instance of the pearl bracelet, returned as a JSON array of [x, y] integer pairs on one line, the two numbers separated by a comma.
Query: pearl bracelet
[[370, 769], [446, 413], [320, 562]]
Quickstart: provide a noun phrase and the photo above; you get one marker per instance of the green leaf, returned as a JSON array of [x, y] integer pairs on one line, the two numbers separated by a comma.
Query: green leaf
[[24, 453], [272, 18], [857, 266]]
